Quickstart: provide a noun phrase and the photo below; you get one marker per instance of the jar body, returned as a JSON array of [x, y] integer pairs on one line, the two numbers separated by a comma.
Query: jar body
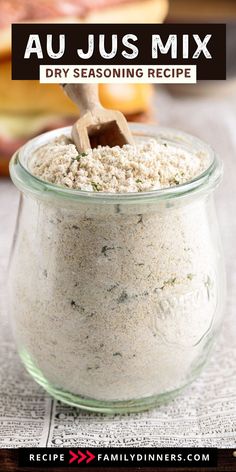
[[115, 307]]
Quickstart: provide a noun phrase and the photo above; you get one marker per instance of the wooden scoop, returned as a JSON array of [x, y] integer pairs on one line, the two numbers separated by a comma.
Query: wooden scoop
[[96, 125]]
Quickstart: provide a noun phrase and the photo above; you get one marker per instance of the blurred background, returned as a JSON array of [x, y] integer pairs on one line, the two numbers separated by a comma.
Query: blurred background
[[28, 108]]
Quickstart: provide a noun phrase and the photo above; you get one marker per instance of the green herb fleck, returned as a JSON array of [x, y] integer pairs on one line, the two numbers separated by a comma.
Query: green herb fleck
[[105, 249], [77, 307], [123, 297], [190, 276], [81, 154], [176, 180], [170, 282], [139, 181], [117, 354], [112, 287], [96, 187]]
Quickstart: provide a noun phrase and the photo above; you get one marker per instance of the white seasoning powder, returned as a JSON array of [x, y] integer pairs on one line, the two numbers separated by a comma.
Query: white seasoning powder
[[114, 302], [147, 166]]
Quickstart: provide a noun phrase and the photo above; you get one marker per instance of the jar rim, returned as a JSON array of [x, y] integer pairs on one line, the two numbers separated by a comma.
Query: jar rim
[[209, 179]]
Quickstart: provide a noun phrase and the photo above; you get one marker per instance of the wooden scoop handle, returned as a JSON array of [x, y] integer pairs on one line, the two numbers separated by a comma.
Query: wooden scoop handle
[[85, 96]]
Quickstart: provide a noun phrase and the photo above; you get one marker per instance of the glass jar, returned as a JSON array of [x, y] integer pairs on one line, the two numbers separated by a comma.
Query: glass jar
[[116, 298]]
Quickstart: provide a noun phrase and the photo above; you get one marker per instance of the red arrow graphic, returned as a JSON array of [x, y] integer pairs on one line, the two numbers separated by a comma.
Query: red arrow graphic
[[82, 456], [90, 458], [73, 458]]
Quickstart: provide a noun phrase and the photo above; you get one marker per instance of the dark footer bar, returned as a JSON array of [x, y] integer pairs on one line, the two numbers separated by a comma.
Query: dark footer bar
[[117, 457], [138, 459]]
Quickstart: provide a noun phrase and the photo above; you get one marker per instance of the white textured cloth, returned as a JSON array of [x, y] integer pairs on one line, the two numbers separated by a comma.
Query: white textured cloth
[[205, 414]]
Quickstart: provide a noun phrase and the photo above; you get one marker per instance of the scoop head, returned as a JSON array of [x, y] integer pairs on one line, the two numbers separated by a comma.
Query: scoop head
[[101, 127]]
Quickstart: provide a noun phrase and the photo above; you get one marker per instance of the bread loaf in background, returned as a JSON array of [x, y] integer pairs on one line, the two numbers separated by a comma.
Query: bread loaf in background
[[28, 108]]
